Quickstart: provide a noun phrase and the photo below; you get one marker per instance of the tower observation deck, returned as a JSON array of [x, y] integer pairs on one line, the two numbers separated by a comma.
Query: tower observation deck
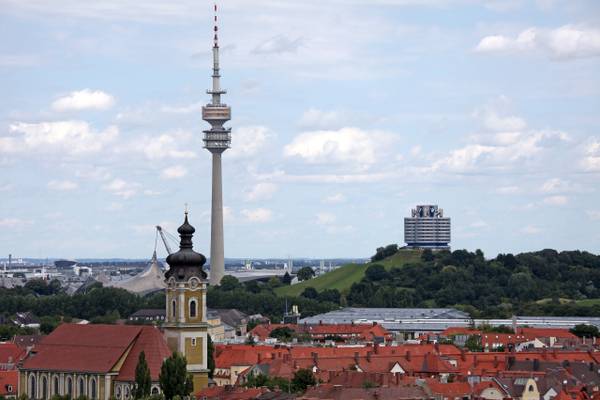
[[216, 140]]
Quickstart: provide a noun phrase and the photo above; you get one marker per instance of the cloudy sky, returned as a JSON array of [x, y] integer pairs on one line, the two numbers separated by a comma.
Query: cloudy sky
[[346, 114]]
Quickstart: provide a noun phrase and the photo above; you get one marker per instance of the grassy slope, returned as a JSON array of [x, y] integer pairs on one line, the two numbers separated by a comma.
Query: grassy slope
[[343, 277]]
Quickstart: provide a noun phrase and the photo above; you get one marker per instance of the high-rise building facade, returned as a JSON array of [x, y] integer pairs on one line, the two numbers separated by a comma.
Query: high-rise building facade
[[427, 228], [216, 140]]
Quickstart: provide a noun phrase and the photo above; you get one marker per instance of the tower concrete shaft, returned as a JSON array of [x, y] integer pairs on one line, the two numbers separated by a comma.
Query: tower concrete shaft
[[216, 140], [217, 246]]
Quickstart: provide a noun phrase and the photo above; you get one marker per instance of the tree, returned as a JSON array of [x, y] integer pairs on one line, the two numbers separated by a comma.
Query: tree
[[473, 343], [310, 293], [376, 272], [305, 273], [427, 255], [229, 283], [586, 331], [286, 279], [331, 295], [174, 379], [143, 381], [302, 379], [283, 333], [210, 360]]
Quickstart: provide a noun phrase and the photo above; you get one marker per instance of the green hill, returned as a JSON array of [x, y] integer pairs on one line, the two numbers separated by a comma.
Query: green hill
[[343, 277]]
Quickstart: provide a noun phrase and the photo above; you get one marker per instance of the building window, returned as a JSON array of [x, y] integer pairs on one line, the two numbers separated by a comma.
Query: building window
[[44, 388], [193, 309], [32, 387], [9, 388], [126, 392], [531, 388], [55, 386], [174, 308], [93, 388], [70, 387], [118, 392], [154, 391], [81, 387], [194, 341]]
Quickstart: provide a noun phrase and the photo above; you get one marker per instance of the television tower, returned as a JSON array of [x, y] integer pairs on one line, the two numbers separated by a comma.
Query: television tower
[[216, 140]]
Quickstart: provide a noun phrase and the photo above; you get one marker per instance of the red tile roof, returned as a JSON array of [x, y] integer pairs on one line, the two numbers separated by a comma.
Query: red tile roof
[[10, 353], [452, 390], [230, 393], [8, 378], [155, 349], [532, 333], [84, 348]]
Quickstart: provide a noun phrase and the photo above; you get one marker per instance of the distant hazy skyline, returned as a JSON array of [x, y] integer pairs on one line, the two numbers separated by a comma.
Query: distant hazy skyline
[[346, 114]]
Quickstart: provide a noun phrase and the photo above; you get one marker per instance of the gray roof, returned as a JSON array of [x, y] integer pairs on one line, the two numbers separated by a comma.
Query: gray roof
[[149, 280], [391, 315]]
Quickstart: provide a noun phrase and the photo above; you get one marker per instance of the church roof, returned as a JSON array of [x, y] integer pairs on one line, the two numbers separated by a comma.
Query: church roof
[[97, 348], [186, 263], [155, 349]]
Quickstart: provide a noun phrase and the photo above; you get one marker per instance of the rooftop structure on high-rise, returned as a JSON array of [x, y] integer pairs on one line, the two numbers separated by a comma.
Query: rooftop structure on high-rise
[[216, 140], [427, 228]]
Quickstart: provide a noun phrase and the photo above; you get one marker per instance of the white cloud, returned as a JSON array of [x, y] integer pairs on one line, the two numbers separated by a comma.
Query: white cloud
[[591, 158], [278, 45], [247, 141], [531, 230], [260, 191], [67, 137], [593, 214], [556, 200], [318, 119], [62, 185], [557, 185], [85, 99], [174, 172], [188, 109], [347, 145], [324, 218], [163, 146], [6, 187], [114, 206], [149, 192], [257, 215], [563, 43], [336, 198], [499, 155], [479, 224], [121, 188], [507, 190], [497, 123], [14, 223]]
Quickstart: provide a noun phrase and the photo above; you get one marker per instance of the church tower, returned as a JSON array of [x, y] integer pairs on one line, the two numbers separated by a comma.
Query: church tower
[[186, 327]]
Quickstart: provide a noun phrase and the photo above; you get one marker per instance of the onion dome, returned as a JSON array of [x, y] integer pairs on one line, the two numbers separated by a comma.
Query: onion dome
[[186, 262]]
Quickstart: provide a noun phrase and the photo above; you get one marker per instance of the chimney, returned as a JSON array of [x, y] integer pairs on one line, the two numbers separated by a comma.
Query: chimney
[[374, 323], [463, 356], [320, 322], [495, 361], [315, 357], [407, 355], [258, 357], [376, 348]]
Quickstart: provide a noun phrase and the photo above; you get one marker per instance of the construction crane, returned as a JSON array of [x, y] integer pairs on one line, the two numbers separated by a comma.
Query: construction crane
[[162, 233]]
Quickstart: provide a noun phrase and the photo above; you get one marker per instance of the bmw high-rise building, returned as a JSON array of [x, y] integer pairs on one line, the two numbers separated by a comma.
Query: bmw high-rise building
[[427, 228]]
